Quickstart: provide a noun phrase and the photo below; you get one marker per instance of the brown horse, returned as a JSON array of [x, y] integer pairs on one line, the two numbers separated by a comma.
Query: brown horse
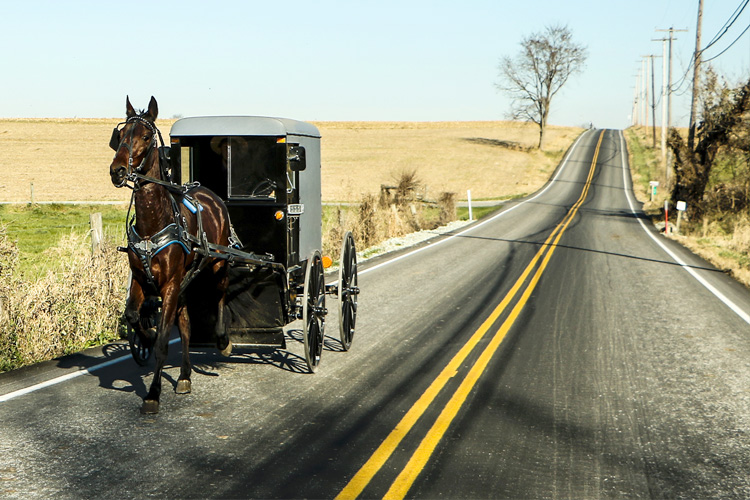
[[162, 243]]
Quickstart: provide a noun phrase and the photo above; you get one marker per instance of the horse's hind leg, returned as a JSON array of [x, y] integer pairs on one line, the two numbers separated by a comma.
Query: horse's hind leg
[[184, 385], [223, 342]]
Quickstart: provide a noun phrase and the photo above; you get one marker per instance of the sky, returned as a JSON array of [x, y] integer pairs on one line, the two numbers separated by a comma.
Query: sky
[[327, 60]]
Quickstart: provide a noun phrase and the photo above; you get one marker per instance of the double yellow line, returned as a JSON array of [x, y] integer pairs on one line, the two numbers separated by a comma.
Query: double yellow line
[[419, 458]]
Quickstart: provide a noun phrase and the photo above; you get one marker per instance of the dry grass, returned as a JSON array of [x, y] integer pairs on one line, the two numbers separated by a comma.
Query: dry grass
[[493, 159], [62, 312], [65, 159]]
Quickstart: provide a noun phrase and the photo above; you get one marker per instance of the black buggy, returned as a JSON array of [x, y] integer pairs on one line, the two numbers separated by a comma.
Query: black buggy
[[267, 172]]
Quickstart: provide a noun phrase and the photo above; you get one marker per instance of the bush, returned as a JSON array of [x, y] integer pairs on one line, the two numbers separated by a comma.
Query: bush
[[398, 210]]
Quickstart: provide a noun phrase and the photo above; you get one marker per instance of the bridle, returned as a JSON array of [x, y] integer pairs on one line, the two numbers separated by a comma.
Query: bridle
[[136, 173]]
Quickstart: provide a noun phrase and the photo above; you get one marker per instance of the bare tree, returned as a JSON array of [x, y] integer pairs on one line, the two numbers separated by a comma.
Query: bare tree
[[538, 72]]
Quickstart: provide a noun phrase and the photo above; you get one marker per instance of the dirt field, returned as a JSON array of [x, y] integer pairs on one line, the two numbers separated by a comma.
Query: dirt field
[[68, 159]]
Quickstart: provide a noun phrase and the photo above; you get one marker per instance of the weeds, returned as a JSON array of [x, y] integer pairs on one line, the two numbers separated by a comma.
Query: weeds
[[398, 210], [61, 312], [722, 234]]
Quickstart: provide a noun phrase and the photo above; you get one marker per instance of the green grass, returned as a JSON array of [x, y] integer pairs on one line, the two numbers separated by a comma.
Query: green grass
[[477, 212], [35, 228], [644, 162]]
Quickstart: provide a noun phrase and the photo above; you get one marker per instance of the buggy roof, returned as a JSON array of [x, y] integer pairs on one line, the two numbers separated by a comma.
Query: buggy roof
[[241, 126]]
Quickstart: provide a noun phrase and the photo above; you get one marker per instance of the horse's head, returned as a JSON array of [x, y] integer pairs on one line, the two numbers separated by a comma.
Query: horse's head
[[134, 143]]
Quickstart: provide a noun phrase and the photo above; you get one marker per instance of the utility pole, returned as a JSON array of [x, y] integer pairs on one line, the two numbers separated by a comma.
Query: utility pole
[[696, 78], [644, 92], [663, 100], [634, 121], [668, 97], [653, 97], [653, 100], [637, 104], [671, 38]]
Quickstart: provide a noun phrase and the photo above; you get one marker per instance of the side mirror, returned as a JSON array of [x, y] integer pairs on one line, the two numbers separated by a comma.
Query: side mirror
[[296, 158]]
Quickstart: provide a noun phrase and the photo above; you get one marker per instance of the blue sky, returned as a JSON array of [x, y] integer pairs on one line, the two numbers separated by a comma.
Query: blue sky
[[414, 60]]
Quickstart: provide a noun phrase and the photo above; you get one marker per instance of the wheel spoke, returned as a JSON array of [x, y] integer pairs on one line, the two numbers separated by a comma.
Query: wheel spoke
[[313, 313]]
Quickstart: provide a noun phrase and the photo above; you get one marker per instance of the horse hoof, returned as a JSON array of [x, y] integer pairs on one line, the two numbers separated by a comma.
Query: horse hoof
[[227, 351], [183, 387], [150, 407]]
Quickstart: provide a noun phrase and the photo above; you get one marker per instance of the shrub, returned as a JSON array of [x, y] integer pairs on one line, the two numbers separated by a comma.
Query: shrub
[[398, 210]]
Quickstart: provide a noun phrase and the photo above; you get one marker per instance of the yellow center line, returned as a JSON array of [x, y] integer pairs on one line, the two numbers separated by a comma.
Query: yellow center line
[[365, 474], [414, 467]]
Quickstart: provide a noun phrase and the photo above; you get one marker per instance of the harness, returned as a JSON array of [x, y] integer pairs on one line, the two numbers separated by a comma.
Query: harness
[[148, 247], [176, 233]]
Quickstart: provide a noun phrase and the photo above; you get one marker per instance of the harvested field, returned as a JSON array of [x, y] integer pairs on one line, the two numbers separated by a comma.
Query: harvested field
[[67, 159]]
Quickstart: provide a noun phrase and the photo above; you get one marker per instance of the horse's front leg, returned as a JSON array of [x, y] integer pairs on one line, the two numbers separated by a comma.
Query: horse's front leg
[[136, 298], [169, 300], [183, 322]]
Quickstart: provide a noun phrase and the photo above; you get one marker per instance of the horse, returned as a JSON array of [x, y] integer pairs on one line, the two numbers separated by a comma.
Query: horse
[[171, 223]]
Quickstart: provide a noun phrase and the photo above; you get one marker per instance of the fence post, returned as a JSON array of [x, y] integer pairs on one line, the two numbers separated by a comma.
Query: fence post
[[95, 221]]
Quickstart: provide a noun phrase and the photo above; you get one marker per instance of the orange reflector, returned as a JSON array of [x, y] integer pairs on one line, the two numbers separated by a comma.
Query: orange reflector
[[280, 140], [279, 215], [327, 261]]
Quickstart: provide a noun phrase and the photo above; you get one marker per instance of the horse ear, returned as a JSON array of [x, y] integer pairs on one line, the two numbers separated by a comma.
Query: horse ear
[[153, 109], [129, 110]]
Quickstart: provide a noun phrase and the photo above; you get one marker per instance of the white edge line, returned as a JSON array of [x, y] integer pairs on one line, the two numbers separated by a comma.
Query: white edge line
[[65, 378], [480, 224], [90, 370], [731, 305]]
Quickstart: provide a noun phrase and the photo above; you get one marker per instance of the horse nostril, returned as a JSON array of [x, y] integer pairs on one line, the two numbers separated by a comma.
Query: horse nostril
[[118, 175]]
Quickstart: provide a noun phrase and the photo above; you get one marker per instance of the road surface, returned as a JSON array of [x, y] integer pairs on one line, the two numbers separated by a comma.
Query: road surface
[[560, 349]]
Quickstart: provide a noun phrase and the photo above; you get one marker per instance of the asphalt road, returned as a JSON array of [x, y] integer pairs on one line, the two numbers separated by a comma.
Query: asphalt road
[[561, 349]]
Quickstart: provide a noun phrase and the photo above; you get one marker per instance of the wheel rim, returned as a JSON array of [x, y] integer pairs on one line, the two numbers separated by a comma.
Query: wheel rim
[[150, 313], [313, 311], [141, 353], [347, 291]]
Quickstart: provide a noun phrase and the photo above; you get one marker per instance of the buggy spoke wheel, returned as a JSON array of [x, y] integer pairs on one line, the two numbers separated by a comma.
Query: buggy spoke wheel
[[314, 311], [150, 317], [141, 353], [348, 290]]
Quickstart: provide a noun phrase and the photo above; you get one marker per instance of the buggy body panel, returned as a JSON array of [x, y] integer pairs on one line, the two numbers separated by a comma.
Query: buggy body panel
[[274, 206]]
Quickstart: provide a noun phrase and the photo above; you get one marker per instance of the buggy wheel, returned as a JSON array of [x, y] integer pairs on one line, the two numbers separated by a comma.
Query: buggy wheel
[[141, 353], [347, 296], [150, 316], [314, 311]]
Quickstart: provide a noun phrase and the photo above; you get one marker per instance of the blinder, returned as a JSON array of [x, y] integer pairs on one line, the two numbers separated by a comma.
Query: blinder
[[114, 141], [163, 152]]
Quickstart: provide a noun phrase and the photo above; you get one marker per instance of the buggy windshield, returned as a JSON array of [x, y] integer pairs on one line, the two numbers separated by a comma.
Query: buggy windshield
[[240, 167]]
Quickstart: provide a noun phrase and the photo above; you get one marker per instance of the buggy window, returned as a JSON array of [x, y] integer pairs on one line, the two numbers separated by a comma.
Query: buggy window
[[238, 167], [257, 167]]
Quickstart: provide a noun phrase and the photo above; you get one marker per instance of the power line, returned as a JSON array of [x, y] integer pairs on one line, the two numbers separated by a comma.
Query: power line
[[730, 45], [677, 87], [728, 24]]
